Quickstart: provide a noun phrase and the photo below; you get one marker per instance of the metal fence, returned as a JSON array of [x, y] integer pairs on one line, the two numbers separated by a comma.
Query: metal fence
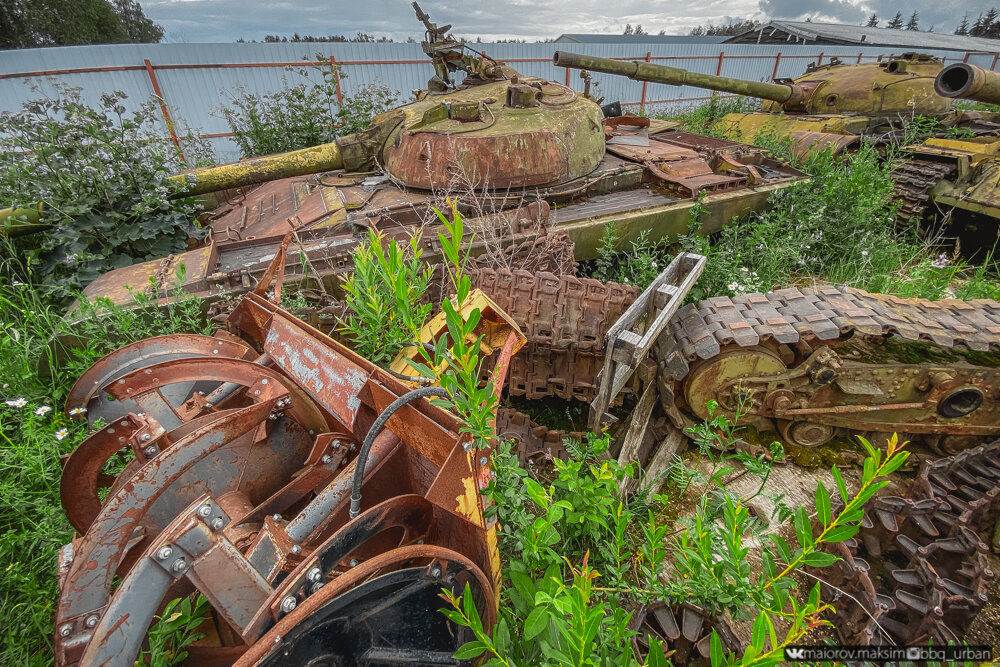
[[195, 80]]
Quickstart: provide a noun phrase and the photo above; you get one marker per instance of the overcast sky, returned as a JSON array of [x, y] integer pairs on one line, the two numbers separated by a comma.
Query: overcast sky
[[228, 20]]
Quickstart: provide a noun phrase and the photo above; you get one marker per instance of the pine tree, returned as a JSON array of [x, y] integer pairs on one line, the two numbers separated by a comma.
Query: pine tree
[[638, 30], [978, 28], [963, 27], [628, 29], [872, 21], [912, 23], [991, 23], [897, 21]]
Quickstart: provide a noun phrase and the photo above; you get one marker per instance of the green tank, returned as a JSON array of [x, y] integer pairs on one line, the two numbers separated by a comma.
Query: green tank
[[507, 149], [957, 175], [830, 105]]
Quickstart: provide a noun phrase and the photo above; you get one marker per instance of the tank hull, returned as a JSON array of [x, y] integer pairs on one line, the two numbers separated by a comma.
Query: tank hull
[[651, 189]]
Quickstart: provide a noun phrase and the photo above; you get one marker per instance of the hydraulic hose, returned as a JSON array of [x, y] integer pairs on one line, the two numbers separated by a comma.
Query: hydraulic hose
[[362, 462]]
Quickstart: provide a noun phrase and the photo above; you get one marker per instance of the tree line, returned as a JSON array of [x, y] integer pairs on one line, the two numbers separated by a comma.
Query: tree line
[[25, 24]]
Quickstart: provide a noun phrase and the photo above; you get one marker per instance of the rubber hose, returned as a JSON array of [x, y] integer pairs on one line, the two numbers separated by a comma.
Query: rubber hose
[[362, 461]]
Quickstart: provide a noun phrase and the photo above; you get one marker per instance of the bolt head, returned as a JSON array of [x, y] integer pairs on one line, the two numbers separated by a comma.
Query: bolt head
[[288, 603], [145, 437], [65, 630], [164, 552], [354, 562], [436, 572], [314, 574], [483, 461], [336, 444], [296, 549], [179, 565], [276, 517], [327, 458], [263, 381], [218, 523], [91, 621], [466, 446], [208, 404], [204, 510], [150, 451]]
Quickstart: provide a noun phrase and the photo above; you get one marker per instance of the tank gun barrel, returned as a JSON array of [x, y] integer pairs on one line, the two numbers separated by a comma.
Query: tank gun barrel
[[788, 95], [324, 157], [968, 82]]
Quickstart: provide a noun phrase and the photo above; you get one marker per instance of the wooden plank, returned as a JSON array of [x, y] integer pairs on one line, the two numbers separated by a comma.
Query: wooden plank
[[661, 321], [661, 460], [633, 437]]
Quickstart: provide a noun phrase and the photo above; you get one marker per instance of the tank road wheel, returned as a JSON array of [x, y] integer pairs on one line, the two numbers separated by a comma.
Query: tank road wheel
[[717, 379], [805, 434]]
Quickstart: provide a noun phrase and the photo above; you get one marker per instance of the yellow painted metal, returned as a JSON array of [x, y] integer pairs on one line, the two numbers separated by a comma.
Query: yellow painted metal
[[904, 84], [324, 157], [963, 80], [21, 220], [494, 326]]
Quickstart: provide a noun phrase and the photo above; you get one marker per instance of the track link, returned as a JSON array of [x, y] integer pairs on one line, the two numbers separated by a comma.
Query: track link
[[913, 180]]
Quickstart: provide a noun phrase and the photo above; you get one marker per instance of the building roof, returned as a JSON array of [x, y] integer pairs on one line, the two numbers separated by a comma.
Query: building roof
[[806, 32], [582, 38]]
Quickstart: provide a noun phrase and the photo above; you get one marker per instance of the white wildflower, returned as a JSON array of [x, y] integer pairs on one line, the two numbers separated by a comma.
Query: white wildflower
[[77, 411], [62, 433], [864, 253], [733, 286], [18, 403], [42, 410], [941, 261]]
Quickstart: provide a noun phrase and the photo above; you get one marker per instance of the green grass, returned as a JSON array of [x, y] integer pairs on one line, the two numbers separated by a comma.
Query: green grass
[[39, 370]]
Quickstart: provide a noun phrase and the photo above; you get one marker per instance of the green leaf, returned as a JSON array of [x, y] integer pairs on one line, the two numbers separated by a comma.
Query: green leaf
[[841, 487], [803, 529], [715, 652], [840, 533], [759, 633], [823, 504], [657, 654], [470, 650], [782, 546], [819, 559]]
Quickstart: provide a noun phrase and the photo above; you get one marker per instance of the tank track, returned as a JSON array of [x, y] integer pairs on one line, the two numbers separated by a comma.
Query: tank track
[[918, 569], [806, 319], [913, 180]]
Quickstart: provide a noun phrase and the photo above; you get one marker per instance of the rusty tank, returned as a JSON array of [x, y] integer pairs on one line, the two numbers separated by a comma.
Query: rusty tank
[[831, 105], [515, 153]]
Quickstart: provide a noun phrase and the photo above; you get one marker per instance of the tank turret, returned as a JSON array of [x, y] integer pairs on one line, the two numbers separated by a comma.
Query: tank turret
[[904, 84], [965, 81], [547, 133]]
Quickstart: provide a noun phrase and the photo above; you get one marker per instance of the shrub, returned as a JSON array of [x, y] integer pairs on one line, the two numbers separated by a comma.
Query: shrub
[[383, 295], [36, 373], [303, 115], [101, 175]]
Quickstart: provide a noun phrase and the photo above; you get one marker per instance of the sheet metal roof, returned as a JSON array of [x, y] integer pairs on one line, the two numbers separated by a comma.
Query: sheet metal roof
[[792, 32], [596, 38]]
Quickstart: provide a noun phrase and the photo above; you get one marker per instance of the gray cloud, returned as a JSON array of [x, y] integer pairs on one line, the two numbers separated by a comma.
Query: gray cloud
[[227, 20], [942, 16]]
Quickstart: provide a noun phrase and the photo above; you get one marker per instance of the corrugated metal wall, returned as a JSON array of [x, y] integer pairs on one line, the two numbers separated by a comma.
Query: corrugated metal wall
[[197, 79]]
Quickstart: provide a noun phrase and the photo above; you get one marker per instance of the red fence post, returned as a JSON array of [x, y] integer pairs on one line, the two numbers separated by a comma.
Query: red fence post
[[642, 102], [336, 78], [777, 61], [163, 109], [567, 77], [966, 59], [718, 69], [996, 56], [819, 61], [859, 57]]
